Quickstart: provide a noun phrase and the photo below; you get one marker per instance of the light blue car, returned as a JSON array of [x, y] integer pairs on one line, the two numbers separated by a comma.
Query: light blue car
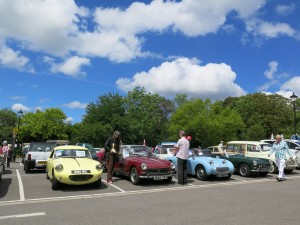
[[204, 166]]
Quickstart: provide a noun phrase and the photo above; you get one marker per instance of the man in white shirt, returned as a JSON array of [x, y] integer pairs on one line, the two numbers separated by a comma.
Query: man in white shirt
[[182, 148]]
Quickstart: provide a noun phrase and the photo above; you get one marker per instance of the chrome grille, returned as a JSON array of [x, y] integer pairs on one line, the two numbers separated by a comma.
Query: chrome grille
[[222, 169], [160, 171]]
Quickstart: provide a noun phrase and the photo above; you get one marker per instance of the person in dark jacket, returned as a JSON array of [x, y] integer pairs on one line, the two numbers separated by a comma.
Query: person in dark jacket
[[112, 150]]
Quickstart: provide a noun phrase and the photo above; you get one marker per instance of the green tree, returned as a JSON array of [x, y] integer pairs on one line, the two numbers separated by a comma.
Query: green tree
[[147, 117], [102, 118], [207, 123], [8, 120], [43, 125], [268, 113]]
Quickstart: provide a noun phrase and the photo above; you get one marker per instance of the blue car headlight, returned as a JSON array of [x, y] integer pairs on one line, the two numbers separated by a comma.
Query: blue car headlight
[[172, 166], [144, 166], [211, 162], [59, 168], [224, 161]]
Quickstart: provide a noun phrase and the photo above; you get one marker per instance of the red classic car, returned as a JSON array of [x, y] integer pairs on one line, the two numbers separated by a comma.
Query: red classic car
[[138, 162]]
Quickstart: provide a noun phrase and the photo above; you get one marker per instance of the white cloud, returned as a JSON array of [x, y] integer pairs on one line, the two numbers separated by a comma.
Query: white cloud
[[71, 67], [272, 70], [17, 107], [44, 100], [274, 77], [75, 105], [273, 30], [41, 25], [58, 27], [183, 75], [18, 97], [69, 120], [12, 59], [293, 85], [285, 10]]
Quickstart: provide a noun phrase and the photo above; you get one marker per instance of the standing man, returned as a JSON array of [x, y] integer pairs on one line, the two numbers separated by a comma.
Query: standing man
[[5, 150], [182, 148], [221, 144], [112, 150], [280, 148]]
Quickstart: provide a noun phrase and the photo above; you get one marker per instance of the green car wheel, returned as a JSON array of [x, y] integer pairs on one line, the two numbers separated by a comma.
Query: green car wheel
[[244, 170]]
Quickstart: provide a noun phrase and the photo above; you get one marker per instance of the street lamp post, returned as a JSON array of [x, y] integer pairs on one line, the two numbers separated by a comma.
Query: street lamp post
[[293, 98], [20, 113]]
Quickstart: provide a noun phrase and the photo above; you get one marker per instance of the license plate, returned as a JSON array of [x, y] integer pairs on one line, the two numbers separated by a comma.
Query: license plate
[[160, 177], [79, 171], [222, 175], [42, 163]]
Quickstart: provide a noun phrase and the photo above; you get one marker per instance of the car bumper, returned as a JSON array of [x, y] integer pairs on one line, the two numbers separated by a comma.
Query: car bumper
[[78, 179], [260, 170], [291, 165], [158, 176], [40, 164]]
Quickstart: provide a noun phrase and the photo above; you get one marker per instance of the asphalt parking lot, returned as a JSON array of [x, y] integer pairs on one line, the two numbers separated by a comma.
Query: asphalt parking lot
[[28, 199]]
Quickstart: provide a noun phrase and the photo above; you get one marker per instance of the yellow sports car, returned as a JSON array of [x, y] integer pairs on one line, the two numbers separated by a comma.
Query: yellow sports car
[[71, 164]]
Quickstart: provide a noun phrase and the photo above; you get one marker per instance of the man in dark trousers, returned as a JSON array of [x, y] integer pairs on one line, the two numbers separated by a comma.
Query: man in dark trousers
[[112, 149], [182, 154]]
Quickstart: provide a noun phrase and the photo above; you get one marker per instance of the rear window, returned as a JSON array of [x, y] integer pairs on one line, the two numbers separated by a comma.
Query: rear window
[[41, 147]]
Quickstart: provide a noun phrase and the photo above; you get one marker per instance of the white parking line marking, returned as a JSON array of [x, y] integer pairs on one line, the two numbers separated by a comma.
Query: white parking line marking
[[21, 188], [114, 186], [113, 194], [22, 215]]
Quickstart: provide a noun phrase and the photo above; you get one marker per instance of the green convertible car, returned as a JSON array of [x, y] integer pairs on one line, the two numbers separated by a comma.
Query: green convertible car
[[245, 166]]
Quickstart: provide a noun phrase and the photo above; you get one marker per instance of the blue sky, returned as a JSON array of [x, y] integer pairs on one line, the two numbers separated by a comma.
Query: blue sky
[[66, 53]]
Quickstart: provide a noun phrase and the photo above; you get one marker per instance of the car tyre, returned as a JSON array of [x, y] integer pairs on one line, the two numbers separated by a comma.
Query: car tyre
[[168, 180], [134, 177], [244, 170], [98, 183], [55, 183], [201, 172], [26, 168], [47, 177], [273, 168]]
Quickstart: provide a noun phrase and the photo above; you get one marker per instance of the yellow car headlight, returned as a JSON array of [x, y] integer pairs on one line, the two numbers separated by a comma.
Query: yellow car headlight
[[98, 166], [59, 168]]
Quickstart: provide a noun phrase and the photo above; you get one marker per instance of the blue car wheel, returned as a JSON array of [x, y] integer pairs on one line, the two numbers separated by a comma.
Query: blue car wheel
[[201, 172]]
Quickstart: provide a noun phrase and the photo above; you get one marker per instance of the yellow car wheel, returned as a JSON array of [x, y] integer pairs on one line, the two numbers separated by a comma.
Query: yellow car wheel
[[55, 183], [98, 183]]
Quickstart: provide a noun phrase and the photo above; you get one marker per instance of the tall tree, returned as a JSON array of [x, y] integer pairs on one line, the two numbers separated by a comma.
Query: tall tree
[[43, 125], [207, 123], [264, 114], [147, 116], [8, 120]]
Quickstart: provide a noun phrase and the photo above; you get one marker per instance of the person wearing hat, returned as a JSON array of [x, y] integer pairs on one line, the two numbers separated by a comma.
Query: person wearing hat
[[221, 144], [182, 153], [280, 148]]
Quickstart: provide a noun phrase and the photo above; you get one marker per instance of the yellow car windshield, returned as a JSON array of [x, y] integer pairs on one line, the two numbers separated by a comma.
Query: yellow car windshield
[[72, 153]]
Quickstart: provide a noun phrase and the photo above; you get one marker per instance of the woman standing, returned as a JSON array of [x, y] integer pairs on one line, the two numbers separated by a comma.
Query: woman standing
[[112, 149]]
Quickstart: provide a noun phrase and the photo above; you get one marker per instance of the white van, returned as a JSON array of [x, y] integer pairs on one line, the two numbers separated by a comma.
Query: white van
[[258, 149]]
